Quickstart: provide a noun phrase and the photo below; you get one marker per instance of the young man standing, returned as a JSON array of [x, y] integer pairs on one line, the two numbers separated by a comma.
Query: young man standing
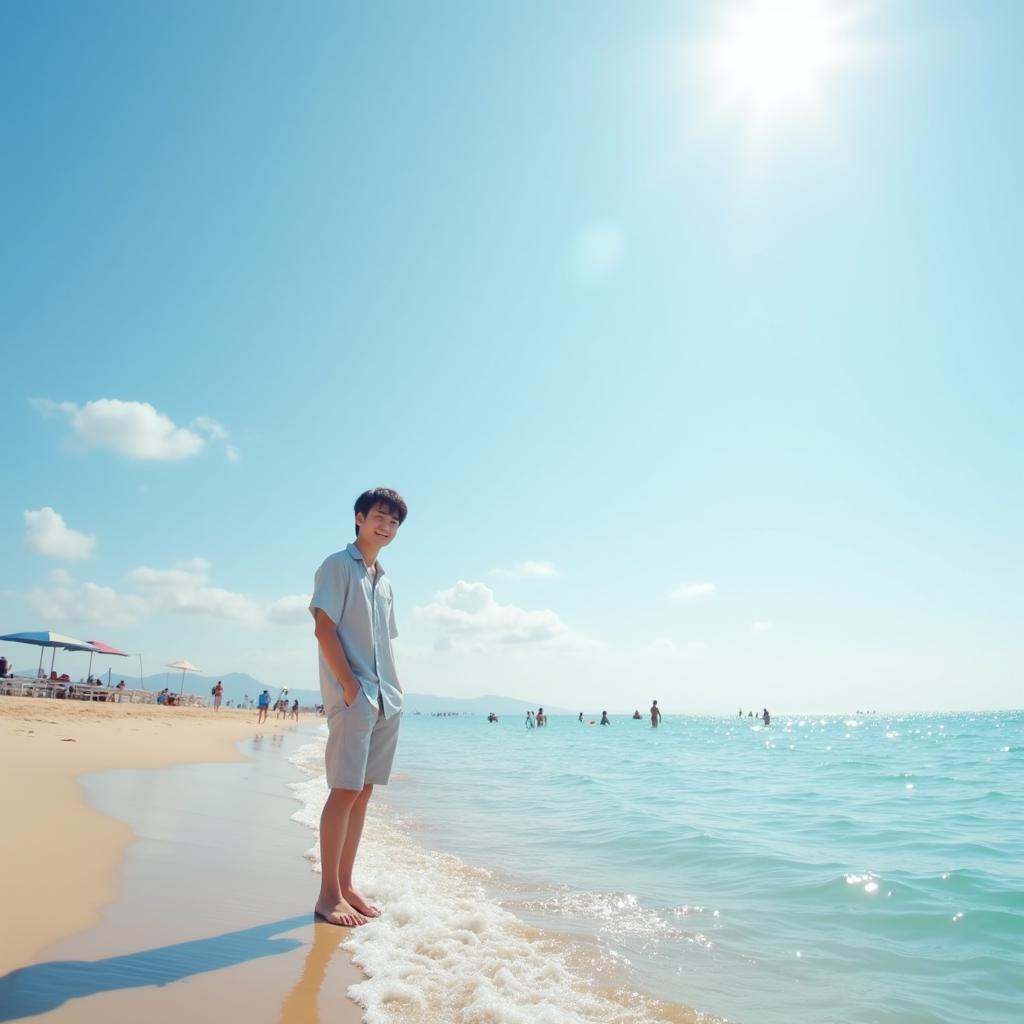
[[655, 715], [353, 608]]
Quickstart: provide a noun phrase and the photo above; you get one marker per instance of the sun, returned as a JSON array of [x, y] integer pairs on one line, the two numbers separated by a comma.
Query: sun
[[774, 59]]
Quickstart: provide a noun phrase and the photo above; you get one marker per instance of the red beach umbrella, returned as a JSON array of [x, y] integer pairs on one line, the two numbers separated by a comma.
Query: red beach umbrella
[[99, 647]]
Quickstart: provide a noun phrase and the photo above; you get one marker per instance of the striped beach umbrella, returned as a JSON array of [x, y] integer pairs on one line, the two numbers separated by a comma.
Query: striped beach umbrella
[[48, 638]]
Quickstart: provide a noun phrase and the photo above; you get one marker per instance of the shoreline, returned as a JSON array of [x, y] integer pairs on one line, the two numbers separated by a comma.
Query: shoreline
[[193, 826], [62, 843], [197, 894], [451, 943], [212, 916]]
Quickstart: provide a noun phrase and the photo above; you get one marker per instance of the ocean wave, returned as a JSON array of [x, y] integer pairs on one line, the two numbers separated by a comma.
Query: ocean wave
[[444, 950]]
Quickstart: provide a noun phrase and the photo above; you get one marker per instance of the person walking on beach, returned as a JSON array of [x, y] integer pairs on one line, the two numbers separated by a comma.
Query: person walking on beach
[[218, 695], [294, 713], [264, 706], [655, 716], [354, 612]]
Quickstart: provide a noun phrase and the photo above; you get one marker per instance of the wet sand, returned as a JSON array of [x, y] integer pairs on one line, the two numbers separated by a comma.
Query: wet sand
[[169, 894]]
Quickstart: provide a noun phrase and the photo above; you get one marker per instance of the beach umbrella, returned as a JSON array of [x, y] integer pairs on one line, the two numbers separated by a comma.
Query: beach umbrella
[[47, 638], [185, 666], [99, 647]]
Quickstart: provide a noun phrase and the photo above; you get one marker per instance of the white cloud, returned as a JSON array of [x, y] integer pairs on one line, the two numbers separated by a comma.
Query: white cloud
[[470, 609], [89, 603], [135, 430], [185, 576], [597, 251], [689, 591], [185, 590], [216, 432], [46, 533], [761, 627], [528, 570], [210, 427], [290, 610]]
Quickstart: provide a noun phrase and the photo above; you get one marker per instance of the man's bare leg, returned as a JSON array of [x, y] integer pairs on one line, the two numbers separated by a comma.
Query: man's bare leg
[[354, 833], [334, 823]]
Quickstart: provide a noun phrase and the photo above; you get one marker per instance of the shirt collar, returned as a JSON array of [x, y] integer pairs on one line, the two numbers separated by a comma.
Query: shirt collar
[[357, 556]]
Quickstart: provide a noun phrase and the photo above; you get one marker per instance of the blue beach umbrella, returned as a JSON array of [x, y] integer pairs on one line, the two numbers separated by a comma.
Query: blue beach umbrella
[[47, 638]]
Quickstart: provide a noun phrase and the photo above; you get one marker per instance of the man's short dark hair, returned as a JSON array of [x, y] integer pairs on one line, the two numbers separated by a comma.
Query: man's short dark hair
[[391, 500]]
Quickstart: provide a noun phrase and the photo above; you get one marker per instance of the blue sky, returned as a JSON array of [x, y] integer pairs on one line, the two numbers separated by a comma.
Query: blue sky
[[734, 362]]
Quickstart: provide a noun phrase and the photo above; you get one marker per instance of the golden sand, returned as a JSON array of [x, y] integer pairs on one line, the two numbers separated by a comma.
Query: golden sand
[[65, 845], [63, 865]]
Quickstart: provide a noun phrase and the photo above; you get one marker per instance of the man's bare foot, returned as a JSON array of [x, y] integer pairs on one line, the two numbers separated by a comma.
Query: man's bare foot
[[341, 913], [360, 903]]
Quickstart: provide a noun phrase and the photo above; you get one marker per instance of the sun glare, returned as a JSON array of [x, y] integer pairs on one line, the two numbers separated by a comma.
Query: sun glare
[[773, 58]]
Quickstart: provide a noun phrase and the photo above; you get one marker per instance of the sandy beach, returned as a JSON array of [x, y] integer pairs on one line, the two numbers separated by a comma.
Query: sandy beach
[[90, 892]]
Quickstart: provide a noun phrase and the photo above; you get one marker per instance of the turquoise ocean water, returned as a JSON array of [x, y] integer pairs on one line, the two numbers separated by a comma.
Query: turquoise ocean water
[[849, 869]]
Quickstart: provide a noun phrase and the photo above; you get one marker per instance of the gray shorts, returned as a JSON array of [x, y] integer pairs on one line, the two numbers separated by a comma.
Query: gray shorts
[[361, 745]]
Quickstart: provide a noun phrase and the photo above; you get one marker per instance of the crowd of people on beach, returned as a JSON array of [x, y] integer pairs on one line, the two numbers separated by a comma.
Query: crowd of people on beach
[[281, 708], [66, 687], [7, 672]]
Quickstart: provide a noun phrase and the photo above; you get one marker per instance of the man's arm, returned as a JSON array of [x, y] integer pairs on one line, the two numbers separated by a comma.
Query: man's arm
[[334, 655]]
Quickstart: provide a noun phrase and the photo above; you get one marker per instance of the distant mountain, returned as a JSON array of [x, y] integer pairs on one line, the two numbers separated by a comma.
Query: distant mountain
[[428, 704], [239, 685]]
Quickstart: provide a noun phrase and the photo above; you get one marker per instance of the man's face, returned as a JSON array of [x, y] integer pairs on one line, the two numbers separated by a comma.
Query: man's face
[[380, 524]]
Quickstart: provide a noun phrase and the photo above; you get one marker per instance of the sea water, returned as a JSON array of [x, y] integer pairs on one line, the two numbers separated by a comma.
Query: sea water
[[847, 869]]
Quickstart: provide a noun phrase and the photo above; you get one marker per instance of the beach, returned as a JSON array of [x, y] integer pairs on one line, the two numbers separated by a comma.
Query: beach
[[709, 870], [89, 883]]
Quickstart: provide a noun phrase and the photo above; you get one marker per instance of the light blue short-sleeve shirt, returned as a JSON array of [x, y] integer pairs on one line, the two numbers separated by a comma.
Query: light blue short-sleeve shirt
[[363, 611]]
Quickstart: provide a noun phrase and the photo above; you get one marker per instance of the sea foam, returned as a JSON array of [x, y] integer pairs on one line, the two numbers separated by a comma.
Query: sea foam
[[444, 950]]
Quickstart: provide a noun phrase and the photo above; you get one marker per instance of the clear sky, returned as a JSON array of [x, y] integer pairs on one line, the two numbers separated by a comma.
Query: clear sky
[[690, 333]]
